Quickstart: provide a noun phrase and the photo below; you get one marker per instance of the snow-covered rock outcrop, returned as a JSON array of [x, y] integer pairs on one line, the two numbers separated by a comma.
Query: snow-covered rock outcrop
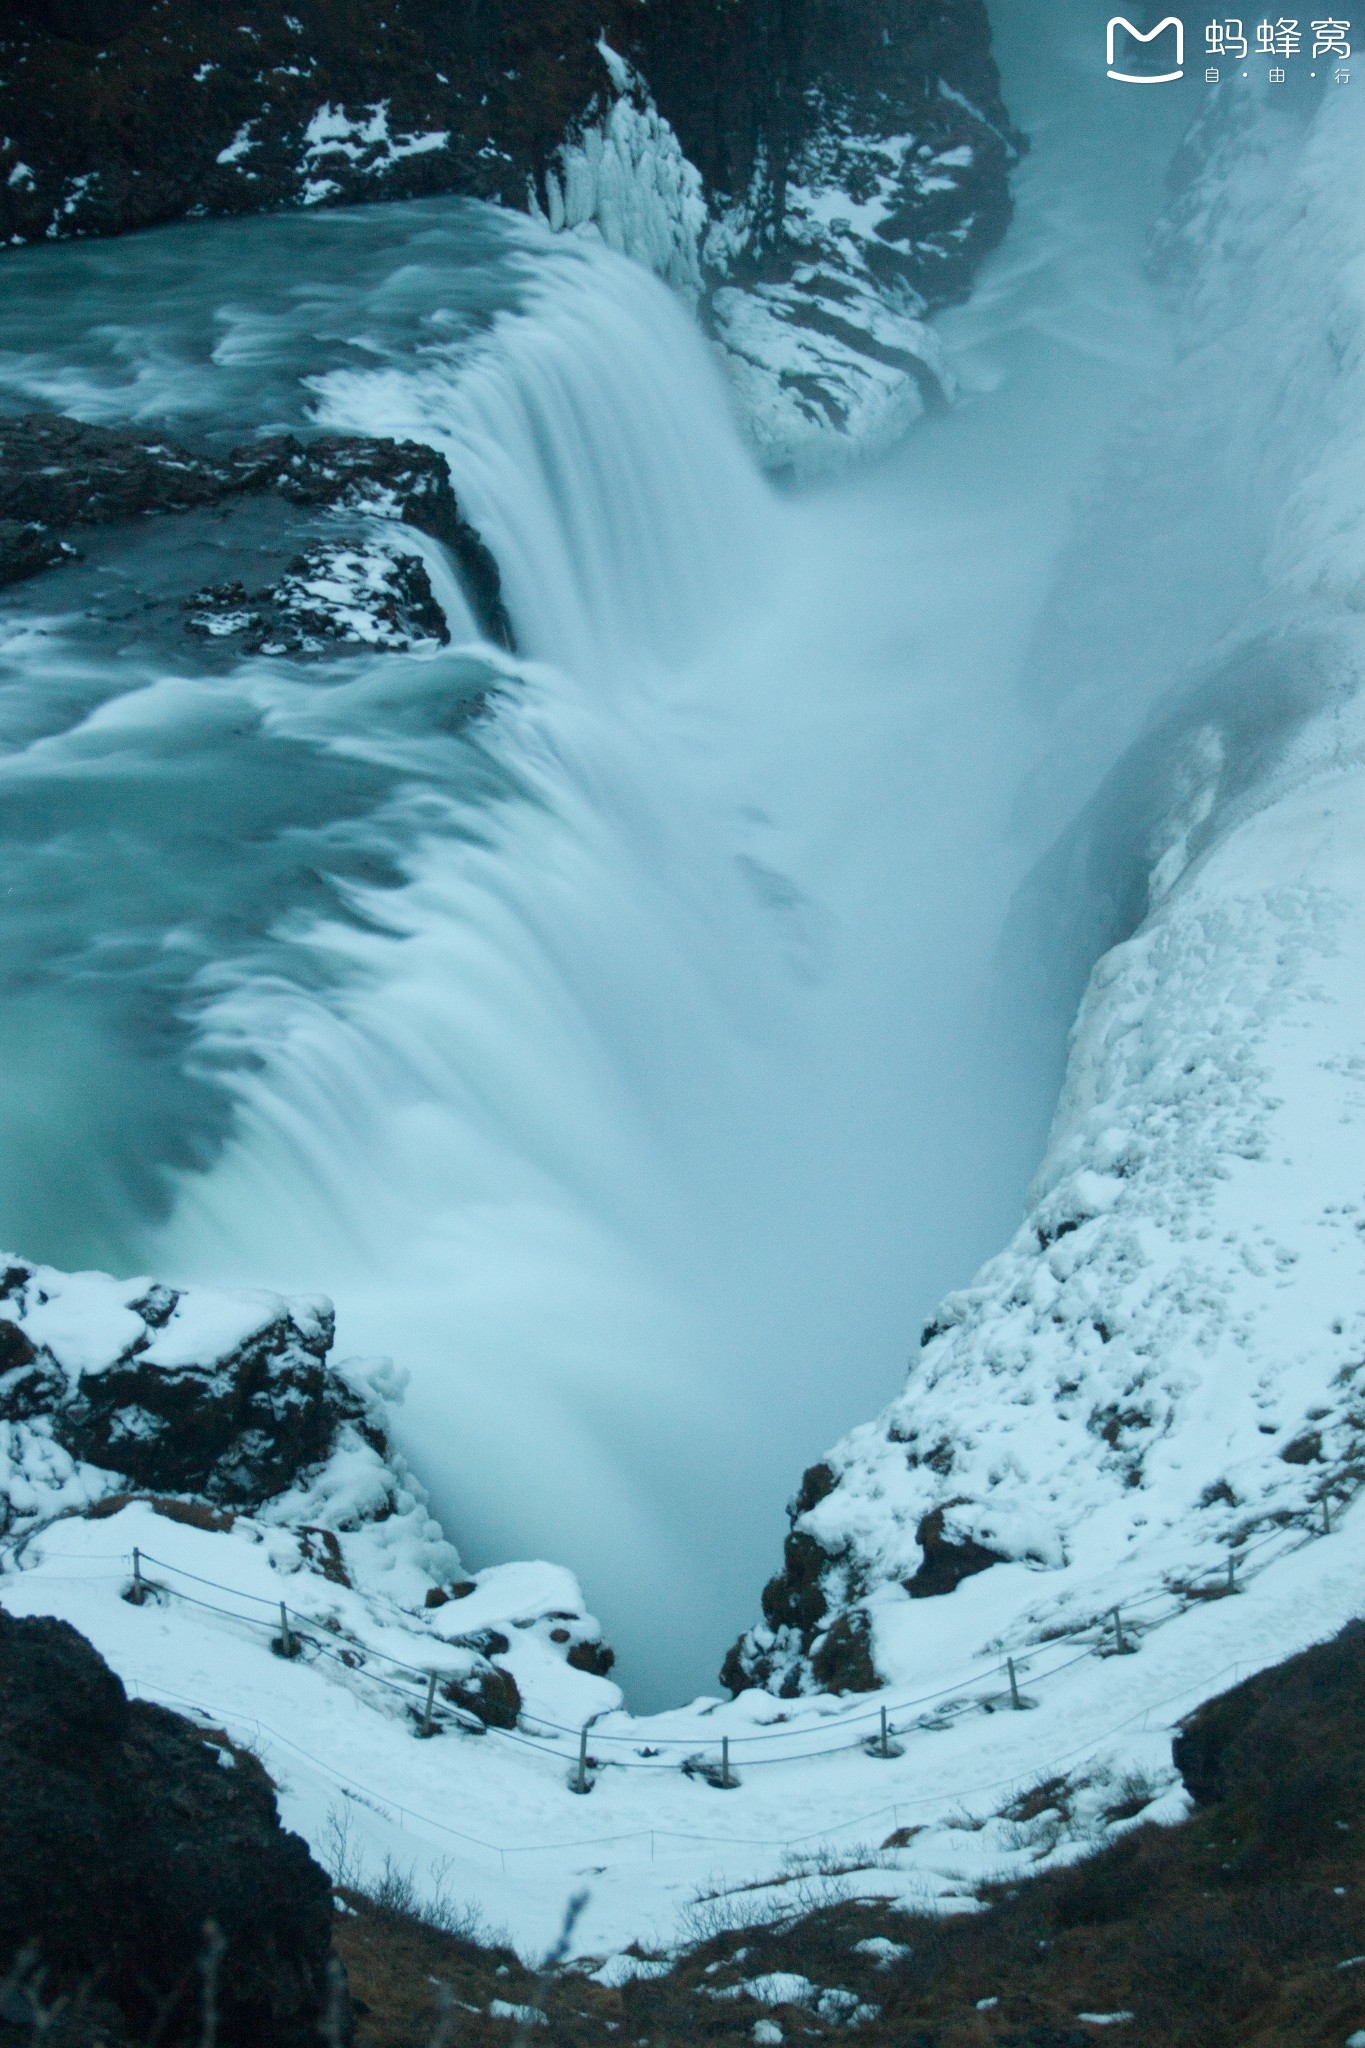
[[818, 278], [1164, 1372], [831, 346], [210, 1432]]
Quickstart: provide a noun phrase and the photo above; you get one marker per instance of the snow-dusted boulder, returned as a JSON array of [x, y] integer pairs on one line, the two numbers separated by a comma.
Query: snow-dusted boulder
[[224, 1397]]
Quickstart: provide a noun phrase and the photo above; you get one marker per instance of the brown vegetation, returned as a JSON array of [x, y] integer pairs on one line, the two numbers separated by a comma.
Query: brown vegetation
[[1244, 1927]]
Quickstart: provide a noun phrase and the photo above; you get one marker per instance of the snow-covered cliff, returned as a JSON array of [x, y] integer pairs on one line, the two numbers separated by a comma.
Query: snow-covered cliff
[[1165, 1369]]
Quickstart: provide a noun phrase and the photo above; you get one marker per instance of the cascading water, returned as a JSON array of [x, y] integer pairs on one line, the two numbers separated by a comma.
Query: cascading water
[[626, 1065]]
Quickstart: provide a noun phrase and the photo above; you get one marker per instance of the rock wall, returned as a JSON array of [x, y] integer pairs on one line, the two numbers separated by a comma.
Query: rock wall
[[821, 175]]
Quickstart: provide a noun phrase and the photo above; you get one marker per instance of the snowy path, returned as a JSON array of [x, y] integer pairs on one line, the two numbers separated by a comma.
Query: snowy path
[[492, 1821]]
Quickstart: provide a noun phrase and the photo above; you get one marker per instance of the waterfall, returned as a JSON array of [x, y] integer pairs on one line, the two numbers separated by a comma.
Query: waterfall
[[626, 1064], [608, 559], [645, 1121]]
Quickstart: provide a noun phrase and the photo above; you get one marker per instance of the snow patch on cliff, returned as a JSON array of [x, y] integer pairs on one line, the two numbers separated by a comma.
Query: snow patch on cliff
[[364, 141], [823, 366]]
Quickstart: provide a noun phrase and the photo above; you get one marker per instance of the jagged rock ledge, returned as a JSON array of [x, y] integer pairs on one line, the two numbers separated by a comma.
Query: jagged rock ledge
[[59, 475]]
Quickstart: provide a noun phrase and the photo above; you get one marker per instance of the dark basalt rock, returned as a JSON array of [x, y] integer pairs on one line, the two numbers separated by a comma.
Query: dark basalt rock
[[947, 1561], [489, 1691], [817, 1483], [795, 1604], [26, 548], [795, 1598], [332, 596], [235, 1430], [30, 1381], [800, 1643], [841, 1660], [593, 1656], [127, 113], [836, 78], [238, 1430], [58, 474], [1289, 1745], [814, 1631], [739, 1670], [124, 1830], [119, 114]]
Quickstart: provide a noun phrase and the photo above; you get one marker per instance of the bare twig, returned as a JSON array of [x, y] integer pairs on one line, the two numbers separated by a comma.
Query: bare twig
[[210, 1963], [573, 1913]]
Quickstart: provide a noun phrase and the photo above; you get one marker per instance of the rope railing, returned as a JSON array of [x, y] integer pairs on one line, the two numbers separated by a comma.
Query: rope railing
[[389, 1807], [305, 1636], [638, 1740]]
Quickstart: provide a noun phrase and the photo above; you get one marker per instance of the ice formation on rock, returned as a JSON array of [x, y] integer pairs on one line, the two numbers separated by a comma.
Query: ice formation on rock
[[626, 177]]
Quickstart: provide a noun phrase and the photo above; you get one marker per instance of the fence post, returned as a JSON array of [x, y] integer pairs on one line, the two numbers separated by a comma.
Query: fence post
[[886, 1746], [289, 1641], [1015, 1700], [428, 1725], [580, 1783], [1326, 1514], [137, 1592], [727, 1782], [1119, 1643], [1232, 1571]]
